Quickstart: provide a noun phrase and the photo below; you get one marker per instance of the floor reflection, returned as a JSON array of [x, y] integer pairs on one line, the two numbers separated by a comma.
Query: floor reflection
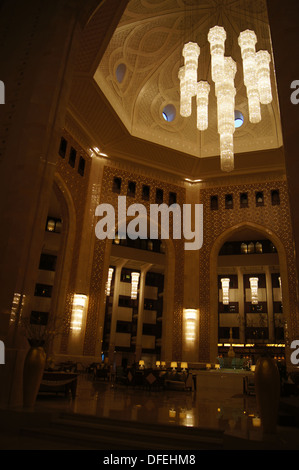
[[235, 414]]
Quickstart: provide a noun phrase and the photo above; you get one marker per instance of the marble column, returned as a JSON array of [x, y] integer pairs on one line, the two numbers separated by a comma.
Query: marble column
[[113, 324], [269, 304], [138, 349]]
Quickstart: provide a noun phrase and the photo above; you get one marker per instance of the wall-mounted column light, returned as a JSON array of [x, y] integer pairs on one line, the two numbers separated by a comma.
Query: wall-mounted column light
[[108, 283], [225, 290], [254, 289], [280, 294], [79, 303], [134, 284], [190, 320]]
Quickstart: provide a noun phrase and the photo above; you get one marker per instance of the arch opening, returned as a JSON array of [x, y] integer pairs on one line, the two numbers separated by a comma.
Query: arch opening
[[248, 277]]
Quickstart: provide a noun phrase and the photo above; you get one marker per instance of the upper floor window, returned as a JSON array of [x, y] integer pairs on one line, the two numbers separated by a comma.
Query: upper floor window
[[145, 192], [214, 203], [229, 203], [159, 196], [116, 186], [81, 166], [243, 200], [259, 198], [275, 198], [62, 147], [53, 225], [131, 189], [172, 198], [72, 157]]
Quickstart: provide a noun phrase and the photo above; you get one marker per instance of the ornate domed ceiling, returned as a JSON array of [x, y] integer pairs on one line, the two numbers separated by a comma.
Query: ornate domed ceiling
[[137, 81]]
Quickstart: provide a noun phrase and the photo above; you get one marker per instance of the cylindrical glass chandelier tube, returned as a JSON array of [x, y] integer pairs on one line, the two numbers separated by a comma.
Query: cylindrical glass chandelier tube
[[226, 92], [227, 151], [263, 59], [185, 94], [216, 38], [247, 41], [202, 99], [191, 52]]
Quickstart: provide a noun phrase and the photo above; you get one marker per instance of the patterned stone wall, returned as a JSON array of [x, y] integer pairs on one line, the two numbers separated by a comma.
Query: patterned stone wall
[[77, 186]]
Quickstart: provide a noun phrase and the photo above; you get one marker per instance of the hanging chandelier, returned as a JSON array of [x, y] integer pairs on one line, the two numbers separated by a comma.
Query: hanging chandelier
[[256, 71]]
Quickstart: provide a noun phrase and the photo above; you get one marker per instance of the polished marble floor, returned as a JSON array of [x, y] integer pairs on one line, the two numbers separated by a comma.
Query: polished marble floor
[[235, 413]]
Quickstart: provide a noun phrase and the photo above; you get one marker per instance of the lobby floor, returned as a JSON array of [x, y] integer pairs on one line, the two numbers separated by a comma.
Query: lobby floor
[[234, 413]]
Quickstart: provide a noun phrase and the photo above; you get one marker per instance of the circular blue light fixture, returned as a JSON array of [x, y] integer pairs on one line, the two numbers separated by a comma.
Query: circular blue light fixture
[[120, 72], [239, 119], [169, 112]]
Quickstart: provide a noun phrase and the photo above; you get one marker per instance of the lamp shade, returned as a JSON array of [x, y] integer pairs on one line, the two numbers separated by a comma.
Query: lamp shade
[[173, 365]]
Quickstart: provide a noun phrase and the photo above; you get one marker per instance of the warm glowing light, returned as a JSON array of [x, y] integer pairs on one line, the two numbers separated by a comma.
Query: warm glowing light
[[256, 422], [256, 71], [141, 363], [174, 365], [202, 100], [254, 289], [16, 306], [158, 363], [191, 53], [184, 365], [225, 93], [247, 42], [79, 303], [216, 38], [225, 290], [134, 284], [108, 283], [263, 60], [190, 320], [280, 291]]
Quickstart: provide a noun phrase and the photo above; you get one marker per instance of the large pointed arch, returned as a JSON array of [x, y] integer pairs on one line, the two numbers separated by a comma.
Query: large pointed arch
[[221, 239]]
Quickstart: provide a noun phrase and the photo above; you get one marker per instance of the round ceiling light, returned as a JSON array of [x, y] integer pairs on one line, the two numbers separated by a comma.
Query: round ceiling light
[[120, 72], [239, 119], [169, 112]]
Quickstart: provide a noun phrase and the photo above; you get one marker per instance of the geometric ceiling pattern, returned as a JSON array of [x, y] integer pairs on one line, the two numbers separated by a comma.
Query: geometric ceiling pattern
[[138, 73]]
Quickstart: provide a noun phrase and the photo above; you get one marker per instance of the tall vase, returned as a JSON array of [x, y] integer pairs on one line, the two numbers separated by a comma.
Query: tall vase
[[32, 375], [267, 388]]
